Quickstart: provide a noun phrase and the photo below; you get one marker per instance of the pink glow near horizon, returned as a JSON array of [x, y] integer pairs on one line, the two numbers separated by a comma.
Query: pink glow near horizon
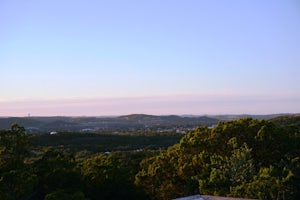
[[159, 105], [240, 61]]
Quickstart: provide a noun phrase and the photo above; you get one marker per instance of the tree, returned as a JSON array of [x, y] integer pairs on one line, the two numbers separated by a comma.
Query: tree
[[65, 195], [239, 167], [57, 170], [240, 158], [14, 146], [16, 181], [112, 176]]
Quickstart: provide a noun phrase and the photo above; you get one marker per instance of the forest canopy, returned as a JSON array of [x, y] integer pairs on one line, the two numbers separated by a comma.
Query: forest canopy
[[242, 158]]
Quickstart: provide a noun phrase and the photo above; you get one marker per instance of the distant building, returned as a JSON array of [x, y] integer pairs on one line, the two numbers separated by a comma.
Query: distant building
[[212, 126], [181, 131]]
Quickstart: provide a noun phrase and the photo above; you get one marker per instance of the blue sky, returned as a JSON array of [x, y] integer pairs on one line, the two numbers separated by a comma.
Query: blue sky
[[223, 56]]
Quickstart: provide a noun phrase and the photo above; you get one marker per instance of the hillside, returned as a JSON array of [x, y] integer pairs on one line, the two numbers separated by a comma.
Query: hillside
[[132, 122], [128, 122], [290, 120], [245, 158]]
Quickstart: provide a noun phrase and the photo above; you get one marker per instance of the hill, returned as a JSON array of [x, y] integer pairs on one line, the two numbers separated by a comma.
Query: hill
[[241, 158], [246, 158], [132, 122], [290, 120], [128, 122]]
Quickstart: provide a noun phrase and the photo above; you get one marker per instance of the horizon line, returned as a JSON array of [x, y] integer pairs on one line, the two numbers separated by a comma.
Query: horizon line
[[180, 115]]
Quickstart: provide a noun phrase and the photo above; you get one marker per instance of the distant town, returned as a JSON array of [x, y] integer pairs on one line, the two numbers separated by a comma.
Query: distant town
[[135, 123]]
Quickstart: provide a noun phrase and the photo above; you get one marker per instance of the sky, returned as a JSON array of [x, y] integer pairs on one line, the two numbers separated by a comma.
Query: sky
[[94, 57]]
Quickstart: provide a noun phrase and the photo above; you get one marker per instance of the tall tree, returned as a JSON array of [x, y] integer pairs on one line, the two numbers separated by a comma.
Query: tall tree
[[16, 182]]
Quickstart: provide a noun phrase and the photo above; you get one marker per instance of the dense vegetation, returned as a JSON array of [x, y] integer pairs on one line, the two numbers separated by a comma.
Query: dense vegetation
[[101, 124], [94, 143], [241, 158]]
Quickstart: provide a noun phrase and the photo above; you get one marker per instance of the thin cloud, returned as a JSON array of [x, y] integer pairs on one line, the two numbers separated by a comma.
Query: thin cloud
[[159, 105]]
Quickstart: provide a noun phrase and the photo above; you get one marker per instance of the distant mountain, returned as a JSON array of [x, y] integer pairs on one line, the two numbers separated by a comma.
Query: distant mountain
[[234, 117], [134, 121], [5, 123], [136, 117], [174, 120], [129, 122]]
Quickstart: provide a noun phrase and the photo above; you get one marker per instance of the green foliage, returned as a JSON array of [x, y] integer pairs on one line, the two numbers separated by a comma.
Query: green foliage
[[65, 195], [112, 176], [269, 183], [156, 176], [239, 167], [291, 121], [241, 158], [13, 148], [57, 170], [15, 181], [15, 184], [95, 143]]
